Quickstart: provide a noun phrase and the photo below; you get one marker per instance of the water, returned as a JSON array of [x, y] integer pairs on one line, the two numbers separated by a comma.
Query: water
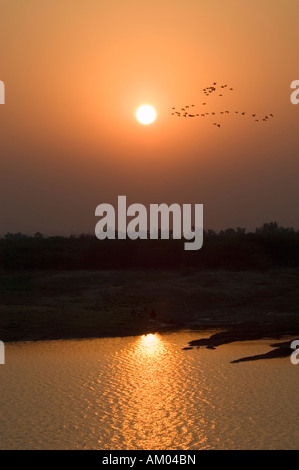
[[146, 393]]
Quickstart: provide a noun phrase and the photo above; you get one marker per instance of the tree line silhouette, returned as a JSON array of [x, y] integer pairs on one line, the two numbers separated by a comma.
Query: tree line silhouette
[[268, 247]]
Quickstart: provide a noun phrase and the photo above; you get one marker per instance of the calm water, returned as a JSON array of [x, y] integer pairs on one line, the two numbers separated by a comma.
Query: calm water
[[146, 393]]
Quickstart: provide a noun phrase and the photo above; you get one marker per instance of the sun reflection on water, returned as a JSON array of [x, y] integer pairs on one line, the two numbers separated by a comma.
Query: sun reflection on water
[[152, 402], [145, 393], [147, 400], [150, 344]]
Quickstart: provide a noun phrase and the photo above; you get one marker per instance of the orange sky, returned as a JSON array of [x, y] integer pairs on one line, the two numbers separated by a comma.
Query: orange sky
[[75, 72]]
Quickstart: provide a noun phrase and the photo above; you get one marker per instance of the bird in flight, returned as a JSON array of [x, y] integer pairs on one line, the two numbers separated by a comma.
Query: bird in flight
[[208, 91]]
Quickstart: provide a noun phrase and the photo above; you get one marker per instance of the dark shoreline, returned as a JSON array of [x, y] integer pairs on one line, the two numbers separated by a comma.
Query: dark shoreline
[[247, 332], [145, 329], [222, 334], [252, 332], [55, 305]]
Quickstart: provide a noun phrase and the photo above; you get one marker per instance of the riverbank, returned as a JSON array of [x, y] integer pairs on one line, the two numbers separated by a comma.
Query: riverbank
[[45, 305], [252, 332]]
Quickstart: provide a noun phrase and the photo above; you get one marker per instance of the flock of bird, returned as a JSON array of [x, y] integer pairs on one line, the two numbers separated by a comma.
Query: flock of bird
[[188, 111]]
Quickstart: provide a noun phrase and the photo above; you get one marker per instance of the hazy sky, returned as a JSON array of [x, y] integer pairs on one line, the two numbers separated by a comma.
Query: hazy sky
[[75, 72]]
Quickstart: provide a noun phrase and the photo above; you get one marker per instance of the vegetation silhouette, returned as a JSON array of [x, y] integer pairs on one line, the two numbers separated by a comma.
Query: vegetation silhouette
[[268, 247]]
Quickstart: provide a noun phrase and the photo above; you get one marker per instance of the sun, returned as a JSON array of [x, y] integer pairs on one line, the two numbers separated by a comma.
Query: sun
[[146, 114]]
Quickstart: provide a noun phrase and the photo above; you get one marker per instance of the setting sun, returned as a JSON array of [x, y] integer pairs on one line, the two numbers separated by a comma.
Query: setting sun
[[146, 114]]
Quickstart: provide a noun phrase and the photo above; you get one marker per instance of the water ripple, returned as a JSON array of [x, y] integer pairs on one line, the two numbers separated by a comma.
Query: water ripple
[[145, 393]]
